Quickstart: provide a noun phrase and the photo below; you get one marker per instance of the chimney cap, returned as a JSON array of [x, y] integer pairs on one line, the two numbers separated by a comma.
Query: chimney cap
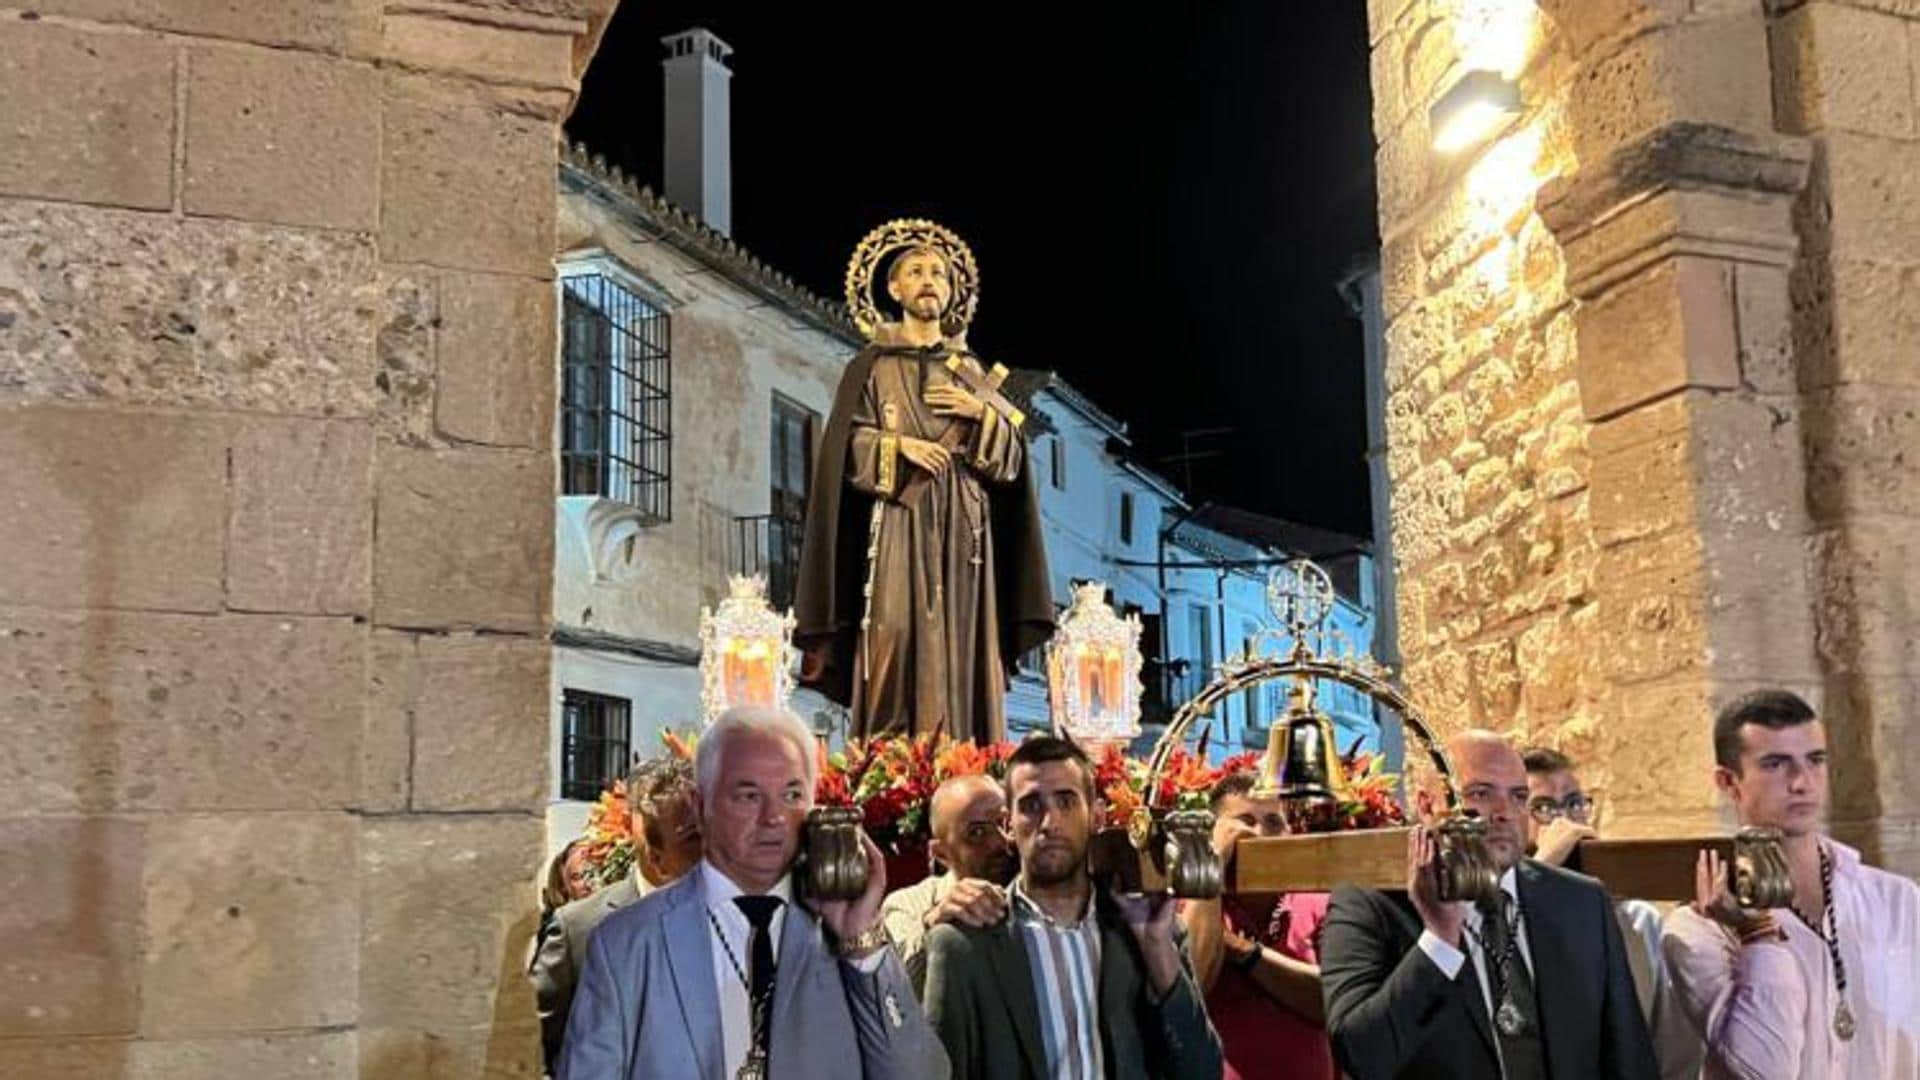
[[697, 40]]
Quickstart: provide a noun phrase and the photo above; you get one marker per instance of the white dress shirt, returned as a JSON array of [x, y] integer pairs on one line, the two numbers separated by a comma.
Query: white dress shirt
[[1449, 959], [1766, 1010], [736, 1008]]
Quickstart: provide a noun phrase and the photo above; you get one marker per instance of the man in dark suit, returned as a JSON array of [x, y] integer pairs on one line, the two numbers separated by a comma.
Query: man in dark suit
[[1091, 984], [666, 819], [1531, 987]]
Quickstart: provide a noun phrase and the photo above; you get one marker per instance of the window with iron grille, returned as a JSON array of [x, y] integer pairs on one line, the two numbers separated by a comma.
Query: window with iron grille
[[596, 736], [616, 423], [1126, 517]]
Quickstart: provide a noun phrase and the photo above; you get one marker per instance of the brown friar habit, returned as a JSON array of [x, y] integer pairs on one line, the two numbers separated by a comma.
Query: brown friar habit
[[830, 600]]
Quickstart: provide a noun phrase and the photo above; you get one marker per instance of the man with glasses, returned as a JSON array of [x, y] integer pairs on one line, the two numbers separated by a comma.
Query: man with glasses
[[1560, 814], [1532, 985]]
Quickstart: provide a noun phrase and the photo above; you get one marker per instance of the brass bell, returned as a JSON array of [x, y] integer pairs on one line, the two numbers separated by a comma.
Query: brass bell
[[1302, 765]]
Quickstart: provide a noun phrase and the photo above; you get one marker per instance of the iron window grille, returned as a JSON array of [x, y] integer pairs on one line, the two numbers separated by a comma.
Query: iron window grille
[[596, 740], [616, 422]]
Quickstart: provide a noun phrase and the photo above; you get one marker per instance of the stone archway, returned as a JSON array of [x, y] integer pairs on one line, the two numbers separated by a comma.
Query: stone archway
[[275, 399]]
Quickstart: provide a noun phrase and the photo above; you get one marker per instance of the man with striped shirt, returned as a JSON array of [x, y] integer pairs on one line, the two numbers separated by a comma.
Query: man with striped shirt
[[1092, 984]]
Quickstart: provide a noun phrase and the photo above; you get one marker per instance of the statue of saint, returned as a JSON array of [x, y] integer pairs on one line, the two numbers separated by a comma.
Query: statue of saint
[[923, 577]]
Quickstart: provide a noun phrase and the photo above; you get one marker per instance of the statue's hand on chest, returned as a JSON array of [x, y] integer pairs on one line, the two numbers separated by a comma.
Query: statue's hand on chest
[[949, 399]]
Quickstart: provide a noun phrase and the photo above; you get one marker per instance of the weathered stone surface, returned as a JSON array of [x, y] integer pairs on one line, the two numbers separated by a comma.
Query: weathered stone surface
[[1861, 441], [495, 1052], [1876, 326], [404, 350], [324, 25], [277, 136], [169, 712], [1844, 67], [1763, 313], [72, 926], [1669, 328], [495, 360], [301, 532], [386, 747], [434, 42], [252, 923], [111, 509], [327, 1056], [448, 912], [466, 187], [1875, 187], [1869, 734], [66, 1057], [203, 313], [1700, 70], [1867, 598], [480, 724], [89, 116], [465, 539]]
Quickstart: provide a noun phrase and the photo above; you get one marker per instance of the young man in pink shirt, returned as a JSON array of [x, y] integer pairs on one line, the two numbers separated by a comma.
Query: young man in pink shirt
[[1825, 989], [1259, 961]]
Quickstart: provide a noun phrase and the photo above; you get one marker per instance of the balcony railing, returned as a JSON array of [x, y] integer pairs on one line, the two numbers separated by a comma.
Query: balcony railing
[[769, 545]]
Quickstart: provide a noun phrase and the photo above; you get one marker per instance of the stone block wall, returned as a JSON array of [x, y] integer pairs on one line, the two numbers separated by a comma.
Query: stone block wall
[[276, 382], [1647, 413], [1847, 77]]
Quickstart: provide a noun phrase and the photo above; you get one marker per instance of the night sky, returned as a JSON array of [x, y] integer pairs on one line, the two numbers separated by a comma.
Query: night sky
[[1160, 206]]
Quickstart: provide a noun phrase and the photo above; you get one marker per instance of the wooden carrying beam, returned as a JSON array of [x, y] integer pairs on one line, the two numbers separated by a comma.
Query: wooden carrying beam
[[1659, 869]]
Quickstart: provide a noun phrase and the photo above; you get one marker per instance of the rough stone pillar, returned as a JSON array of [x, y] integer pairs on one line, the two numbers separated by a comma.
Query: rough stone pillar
[[276, 370], [1628, 471], [1844, 77]]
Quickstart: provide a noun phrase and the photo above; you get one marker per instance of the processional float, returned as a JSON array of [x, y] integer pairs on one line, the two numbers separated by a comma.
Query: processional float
[[1171, 848]]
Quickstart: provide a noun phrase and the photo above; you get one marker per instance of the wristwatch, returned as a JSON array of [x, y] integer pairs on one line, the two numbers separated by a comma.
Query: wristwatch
[[1246, 961], [873, 937]]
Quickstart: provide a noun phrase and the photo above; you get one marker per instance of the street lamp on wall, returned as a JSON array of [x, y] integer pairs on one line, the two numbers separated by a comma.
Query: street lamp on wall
[[1476, 106]]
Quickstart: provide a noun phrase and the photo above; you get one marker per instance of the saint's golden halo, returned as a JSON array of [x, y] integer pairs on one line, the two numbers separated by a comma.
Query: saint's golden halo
[[905, 233]]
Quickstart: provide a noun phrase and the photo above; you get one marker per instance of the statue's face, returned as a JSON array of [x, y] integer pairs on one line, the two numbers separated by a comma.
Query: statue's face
[[921, 284]]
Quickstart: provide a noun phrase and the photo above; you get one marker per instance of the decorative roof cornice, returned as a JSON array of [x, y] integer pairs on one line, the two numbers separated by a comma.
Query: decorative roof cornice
[[711, 247]]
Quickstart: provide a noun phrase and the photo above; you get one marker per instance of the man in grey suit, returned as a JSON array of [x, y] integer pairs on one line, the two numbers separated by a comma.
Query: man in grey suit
[[685, 983], [666, 817]]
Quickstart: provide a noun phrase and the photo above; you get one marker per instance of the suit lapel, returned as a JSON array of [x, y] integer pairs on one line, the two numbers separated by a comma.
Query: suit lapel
[[1547, 943], [690, 960], [797, 935], [1013, 973], [1474, 1000]]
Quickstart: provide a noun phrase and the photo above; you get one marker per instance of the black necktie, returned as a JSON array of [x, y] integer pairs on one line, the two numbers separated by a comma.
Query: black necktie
[[759, 912], [1522, 1051]]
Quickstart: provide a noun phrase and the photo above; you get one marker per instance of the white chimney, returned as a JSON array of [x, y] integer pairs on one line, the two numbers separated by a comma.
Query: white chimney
[[699, 127]]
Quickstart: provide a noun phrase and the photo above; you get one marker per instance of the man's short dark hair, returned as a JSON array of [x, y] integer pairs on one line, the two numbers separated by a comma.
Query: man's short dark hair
[[1542, 760], [1040, 749], [1238, 782], [1772, 709]]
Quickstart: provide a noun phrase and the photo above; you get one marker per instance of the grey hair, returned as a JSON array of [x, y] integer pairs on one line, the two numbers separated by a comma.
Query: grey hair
[[760, 720]]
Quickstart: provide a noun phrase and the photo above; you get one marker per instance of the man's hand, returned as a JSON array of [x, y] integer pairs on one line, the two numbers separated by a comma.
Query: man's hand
[[848, 919], [1150, 917], [930, 456], [1443, 919], [1713, 898], [1558, 840], [955, 401], [1227, 832], [971, 902]]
